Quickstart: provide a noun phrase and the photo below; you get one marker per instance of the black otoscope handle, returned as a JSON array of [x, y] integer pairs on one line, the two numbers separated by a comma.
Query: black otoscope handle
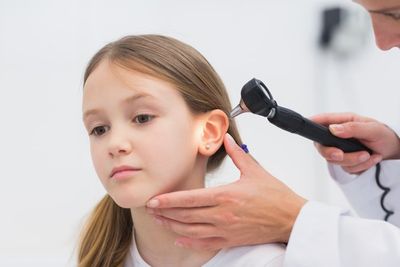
[[293, 122]]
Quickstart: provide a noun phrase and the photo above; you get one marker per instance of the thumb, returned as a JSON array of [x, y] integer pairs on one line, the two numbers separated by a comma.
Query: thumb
[[236, 153], [359, 130]]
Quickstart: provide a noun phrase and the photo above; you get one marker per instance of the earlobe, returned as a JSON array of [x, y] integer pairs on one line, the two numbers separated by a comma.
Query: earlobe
[[215, 125]]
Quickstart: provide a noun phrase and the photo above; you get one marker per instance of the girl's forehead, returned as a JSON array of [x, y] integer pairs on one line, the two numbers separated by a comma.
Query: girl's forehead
[[112, 77], [112, 83], [107, 72]]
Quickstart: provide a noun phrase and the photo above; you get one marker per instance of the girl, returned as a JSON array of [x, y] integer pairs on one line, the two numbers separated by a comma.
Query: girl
[[156, 115]]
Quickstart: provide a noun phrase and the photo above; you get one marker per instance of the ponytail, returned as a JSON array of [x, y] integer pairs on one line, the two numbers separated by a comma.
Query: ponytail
[[107, 236]]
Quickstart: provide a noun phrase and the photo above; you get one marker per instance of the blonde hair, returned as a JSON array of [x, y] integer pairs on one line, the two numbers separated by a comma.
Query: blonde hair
[[106, 239]]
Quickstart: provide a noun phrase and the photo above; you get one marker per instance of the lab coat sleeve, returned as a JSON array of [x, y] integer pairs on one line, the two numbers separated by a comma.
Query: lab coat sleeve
[[364, 194], [329, 236]]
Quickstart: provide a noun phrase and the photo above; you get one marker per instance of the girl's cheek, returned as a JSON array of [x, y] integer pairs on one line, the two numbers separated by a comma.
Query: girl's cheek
[[98, 162]]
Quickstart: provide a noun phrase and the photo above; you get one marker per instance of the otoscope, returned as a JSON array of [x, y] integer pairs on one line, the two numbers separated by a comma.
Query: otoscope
[[256, 98]]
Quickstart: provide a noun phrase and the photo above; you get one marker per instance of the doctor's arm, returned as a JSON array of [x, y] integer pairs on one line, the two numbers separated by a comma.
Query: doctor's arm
[[346, 240]]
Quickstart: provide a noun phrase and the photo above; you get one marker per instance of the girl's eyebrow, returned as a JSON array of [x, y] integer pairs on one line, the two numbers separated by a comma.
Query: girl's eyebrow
[[128, 100]]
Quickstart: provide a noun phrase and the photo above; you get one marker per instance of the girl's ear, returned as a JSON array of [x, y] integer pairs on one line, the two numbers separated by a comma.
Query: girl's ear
[[215, 125]]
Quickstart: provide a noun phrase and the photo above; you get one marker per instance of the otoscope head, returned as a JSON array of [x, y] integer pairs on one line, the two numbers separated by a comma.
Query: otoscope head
[[255, 98]]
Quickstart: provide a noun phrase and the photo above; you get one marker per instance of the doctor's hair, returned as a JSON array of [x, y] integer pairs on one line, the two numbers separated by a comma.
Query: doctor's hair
[[107, 235]]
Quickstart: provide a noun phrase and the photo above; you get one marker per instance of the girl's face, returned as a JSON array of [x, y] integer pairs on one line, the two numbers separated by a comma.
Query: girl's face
[[143, 138]]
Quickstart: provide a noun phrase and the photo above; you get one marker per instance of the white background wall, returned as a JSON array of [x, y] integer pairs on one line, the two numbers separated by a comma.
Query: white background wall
[[48, 184]]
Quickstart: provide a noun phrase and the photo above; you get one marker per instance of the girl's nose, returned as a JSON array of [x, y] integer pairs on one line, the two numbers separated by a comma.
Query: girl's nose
[[119, 144]]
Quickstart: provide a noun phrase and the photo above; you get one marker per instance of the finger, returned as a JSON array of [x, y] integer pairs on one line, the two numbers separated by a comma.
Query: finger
[[352, 159], [207, 244], [360, 130], [336, 156], [364, 166], [334, 118], [330, 153], [191, 230], [355, 158], [203, 197], [192, 215], [236, 153]]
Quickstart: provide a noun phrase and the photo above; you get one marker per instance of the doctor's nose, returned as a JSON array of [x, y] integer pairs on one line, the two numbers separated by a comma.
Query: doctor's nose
[[387, 42], [119, 145], [384, 39]]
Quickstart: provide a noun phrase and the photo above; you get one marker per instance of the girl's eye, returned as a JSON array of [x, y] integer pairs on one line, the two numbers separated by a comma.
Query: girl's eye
[[143, 118], [99, 130]]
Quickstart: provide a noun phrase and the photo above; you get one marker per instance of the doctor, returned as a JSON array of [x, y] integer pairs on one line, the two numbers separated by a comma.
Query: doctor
[[258, 208]]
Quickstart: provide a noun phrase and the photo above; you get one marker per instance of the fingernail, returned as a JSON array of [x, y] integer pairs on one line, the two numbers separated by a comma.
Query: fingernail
[[154, 203], [231, 141], [337, 156], [336, 128], [363, 157]]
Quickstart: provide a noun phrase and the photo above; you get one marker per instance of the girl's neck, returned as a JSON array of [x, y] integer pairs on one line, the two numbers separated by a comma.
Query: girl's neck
[[156, 244]]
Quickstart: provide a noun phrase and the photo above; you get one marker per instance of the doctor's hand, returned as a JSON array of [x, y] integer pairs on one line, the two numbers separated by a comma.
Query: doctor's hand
[[382, 140], [256, 209]]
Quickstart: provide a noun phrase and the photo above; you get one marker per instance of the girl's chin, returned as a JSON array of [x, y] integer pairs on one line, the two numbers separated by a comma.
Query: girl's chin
[[130, 197], [130, 202], [130, 205]]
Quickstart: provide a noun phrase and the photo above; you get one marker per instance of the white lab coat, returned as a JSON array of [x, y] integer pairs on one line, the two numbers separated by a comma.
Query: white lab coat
[[328, 236]]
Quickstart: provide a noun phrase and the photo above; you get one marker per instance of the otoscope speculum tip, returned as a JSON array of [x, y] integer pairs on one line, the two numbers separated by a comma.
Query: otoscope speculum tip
[[239, 109]]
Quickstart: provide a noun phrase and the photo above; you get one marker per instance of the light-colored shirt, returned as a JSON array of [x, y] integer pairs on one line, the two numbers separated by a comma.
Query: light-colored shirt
[[265, 255], [329, 236]]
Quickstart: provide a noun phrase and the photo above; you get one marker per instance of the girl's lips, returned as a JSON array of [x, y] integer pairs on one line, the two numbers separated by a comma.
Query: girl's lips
[[120, 175], [123, 171]]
